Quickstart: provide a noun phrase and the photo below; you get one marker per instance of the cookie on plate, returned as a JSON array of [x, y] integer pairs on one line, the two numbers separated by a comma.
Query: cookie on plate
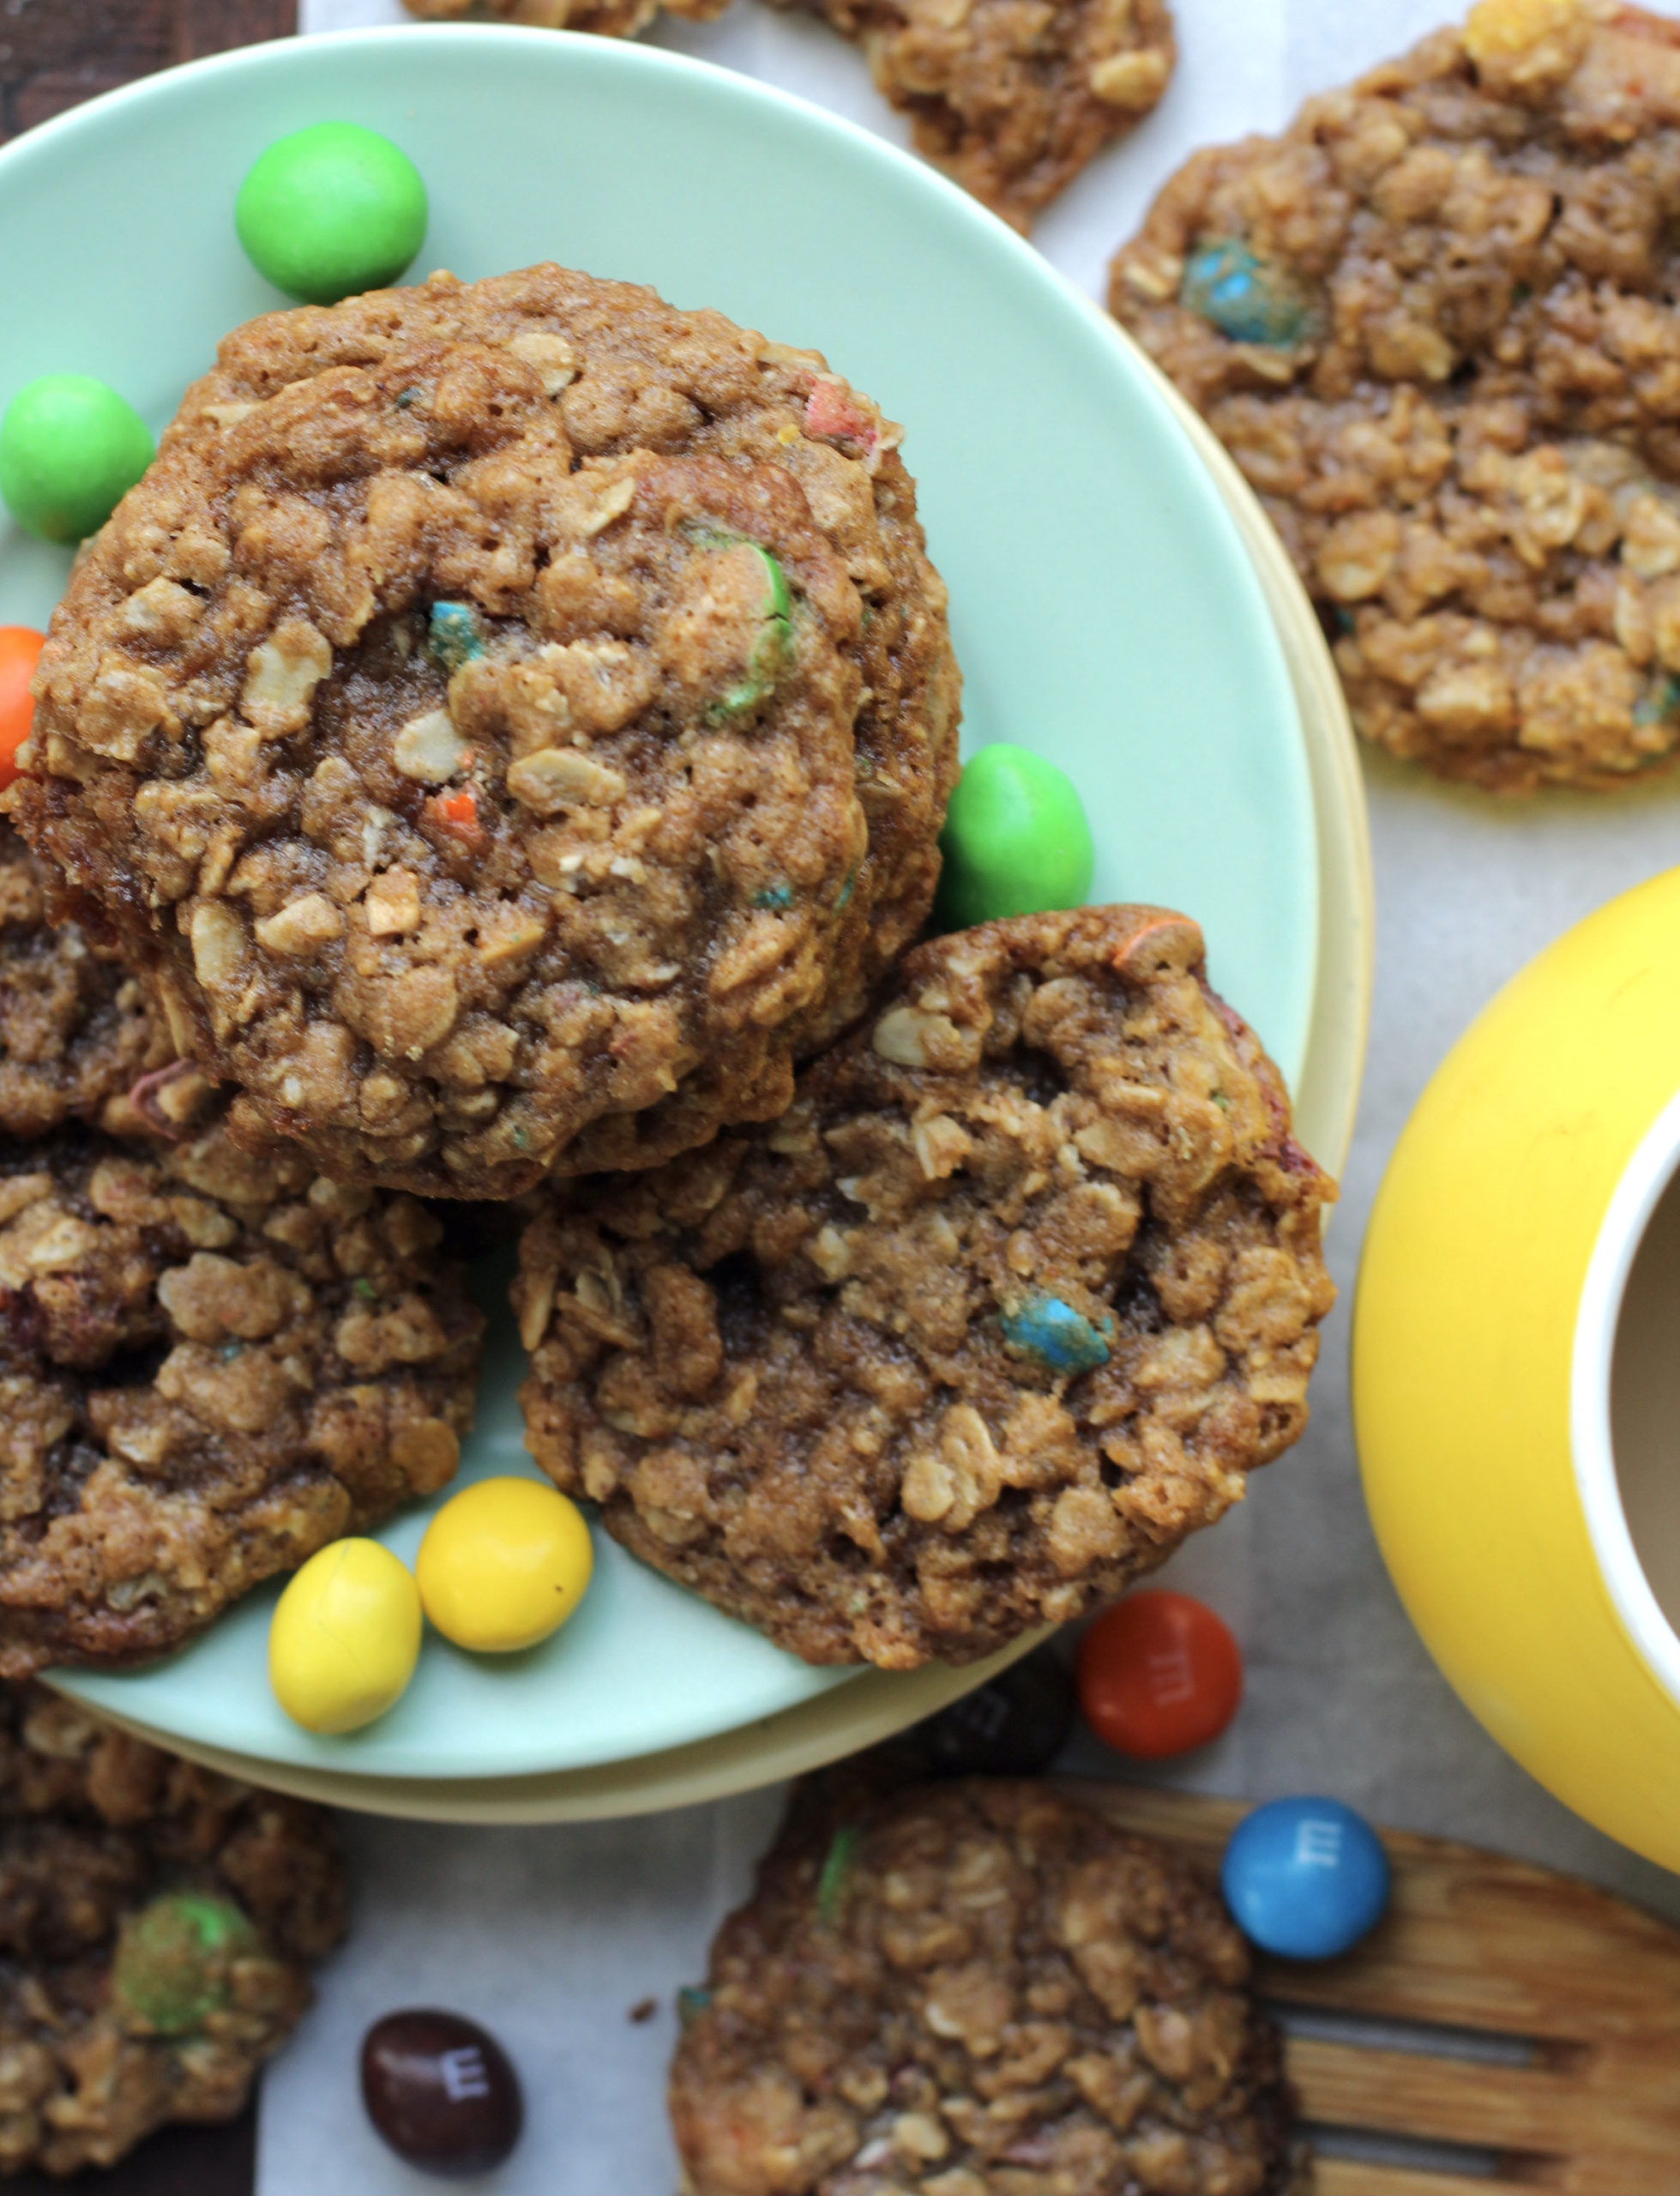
[[1010, 1300], [1012, 98], [74, 1032], [606, 18], [508, 723], [1432, 323], [157, 1924], [211, 1363], [980, 1988]]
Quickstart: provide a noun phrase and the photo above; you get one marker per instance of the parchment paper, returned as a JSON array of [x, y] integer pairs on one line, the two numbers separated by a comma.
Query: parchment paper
[[553, 1936]]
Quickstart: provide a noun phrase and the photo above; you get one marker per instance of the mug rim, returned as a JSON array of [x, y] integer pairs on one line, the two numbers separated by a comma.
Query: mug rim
[[1645, 1181]]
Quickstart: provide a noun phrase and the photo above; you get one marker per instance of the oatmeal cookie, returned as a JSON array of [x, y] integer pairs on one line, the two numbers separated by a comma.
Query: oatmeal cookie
[[74, 1032], [509, 722], [1433, 322], [211, 1363], [606, 18], [1007, 1303], [156, 1927], [1012, 98], [976, 1987]]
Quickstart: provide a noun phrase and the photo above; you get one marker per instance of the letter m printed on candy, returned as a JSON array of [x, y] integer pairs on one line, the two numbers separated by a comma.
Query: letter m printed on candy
[[1171, 1679], [1318, 1842], [464, 2072]]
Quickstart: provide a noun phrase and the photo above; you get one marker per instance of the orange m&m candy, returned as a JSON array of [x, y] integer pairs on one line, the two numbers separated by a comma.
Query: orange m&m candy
[[20, 649], [1158, 1674]]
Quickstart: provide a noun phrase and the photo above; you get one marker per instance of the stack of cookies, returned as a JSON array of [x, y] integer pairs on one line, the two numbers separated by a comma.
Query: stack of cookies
[[501, 748]]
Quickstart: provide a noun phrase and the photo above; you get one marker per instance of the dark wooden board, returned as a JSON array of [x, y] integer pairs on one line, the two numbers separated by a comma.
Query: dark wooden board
[[56, 53], [175, 2161]]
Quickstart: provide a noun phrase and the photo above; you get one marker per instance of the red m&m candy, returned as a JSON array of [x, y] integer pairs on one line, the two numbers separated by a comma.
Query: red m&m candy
[[1158, 1674]]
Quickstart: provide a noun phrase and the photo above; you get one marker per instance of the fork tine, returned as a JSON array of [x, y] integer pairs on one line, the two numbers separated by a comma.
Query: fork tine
[[1355, 2177], [1442, 2100]]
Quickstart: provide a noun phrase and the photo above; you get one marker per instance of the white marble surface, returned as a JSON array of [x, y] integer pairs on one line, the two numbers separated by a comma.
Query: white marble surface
[[553, 1936]]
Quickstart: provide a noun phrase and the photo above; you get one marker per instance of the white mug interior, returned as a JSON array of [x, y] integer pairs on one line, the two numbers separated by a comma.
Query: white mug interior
[[1624, 1399]]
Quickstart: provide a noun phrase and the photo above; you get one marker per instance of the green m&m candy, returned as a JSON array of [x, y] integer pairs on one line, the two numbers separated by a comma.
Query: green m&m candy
[[330, 211], [1015, 841], [172, 1968], [70, 449]]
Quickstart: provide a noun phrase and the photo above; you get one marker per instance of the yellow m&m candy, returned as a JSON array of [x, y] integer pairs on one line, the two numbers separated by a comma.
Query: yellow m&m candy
[[503, 1564], [344, 1637]]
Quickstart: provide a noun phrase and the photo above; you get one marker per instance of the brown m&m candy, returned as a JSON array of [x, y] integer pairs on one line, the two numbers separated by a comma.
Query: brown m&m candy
[[1014, 1725], [442, 2091]]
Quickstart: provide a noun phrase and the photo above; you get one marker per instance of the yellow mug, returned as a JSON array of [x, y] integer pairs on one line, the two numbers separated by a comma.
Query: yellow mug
[[1516, 1368]]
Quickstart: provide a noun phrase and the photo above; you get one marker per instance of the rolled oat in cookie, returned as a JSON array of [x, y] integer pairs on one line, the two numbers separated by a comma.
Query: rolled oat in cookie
[[980, 1988], [1007, 1302], [211, 1363], [1012, 98], [74, 1031], [1434, 322], [157, 1924], [606, 18], [508, 723]]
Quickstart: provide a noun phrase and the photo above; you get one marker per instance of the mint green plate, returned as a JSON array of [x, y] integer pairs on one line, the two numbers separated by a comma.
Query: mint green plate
[[1103, 608]]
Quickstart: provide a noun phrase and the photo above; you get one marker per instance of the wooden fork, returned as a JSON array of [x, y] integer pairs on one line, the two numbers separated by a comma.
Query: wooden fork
[[1502, 2030]]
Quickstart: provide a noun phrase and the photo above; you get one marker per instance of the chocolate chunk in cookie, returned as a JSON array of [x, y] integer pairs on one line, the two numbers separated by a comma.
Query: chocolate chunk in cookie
[[156, 1927], [1007, 1302], [974, 1987], [1012, 98], [508, 723], [1433, 322], [211, 1363]]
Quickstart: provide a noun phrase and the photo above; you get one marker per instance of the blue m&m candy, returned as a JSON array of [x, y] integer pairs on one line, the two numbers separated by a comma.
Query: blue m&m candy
[[1042, 1326], [1250, 299], [1304, 1878]]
